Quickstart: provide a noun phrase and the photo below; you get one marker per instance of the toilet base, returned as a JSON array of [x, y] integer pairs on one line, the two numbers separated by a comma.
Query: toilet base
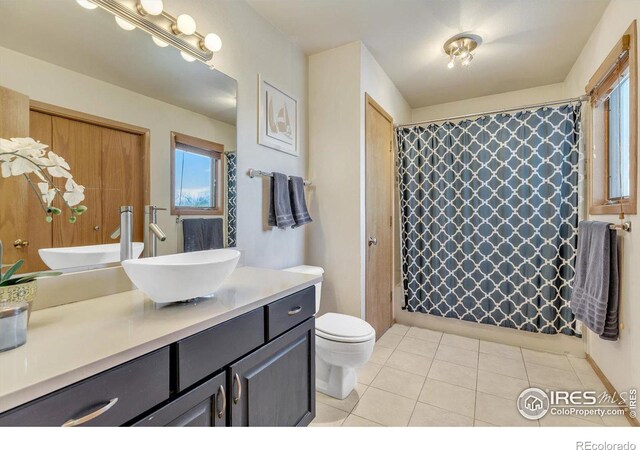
[[334, 381]]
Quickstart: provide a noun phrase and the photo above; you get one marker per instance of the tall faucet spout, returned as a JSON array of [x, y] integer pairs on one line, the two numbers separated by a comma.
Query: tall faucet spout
[[126, 232]]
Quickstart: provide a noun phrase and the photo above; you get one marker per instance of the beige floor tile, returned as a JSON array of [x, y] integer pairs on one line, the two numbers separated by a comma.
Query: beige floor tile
[[480, 423], [501, 365], [591, 381], [368, 372], [500, 385], [506, 351], [546, 359], [460, 342], [389, 340], [552, 377], [448, 396], [424, 334], [385, 408], [567, 421], [616, 421], [595, 419], [468, 358], [431, 416], [399, 382], [355, 421], [328, 416], [418, 347], [453, 374], [398, 328], [346, 404], [380, 354], [499, 411], [579, 364], [409, 362]]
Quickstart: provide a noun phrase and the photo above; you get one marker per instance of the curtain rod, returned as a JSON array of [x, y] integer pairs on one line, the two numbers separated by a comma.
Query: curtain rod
[[582, 98]]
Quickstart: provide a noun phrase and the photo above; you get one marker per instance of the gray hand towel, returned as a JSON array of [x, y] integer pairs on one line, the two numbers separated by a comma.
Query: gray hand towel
[[279, 203], [202, 234], [298, 202], [594, 299]]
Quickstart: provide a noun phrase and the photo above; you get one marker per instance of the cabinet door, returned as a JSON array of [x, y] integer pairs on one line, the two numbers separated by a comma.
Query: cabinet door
[[203, 406], [275, 385]]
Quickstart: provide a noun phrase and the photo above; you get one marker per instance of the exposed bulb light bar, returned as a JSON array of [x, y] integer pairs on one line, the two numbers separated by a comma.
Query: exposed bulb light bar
[[150, 17]]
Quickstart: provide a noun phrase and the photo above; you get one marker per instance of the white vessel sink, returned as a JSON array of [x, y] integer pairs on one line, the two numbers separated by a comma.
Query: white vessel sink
[[87, 255], [183, 276]]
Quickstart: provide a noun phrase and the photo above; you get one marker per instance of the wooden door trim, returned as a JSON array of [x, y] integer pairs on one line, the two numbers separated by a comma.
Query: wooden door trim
[[59, 111], [369, 101]]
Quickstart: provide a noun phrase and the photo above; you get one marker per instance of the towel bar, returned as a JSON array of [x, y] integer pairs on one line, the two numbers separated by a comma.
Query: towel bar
[[626, 226], [259, 173]]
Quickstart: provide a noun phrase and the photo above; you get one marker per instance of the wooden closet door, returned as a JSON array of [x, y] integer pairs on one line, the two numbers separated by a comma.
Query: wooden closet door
[[81, 145], [40, 231], [14, 191], [122, 181]]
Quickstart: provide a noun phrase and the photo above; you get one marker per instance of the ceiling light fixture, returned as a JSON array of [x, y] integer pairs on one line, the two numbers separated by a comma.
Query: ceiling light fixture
[[150, 17], [461, 46]]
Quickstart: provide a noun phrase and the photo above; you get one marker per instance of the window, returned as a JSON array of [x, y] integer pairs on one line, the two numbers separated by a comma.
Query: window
[[613, 91], [197, 181]]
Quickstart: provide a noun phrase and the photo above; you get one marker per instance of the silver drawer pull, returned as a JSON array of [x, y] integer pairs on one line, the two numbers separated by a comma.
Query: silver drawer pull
[[236, 382], [295, 310], [91, 416], [223, 396]]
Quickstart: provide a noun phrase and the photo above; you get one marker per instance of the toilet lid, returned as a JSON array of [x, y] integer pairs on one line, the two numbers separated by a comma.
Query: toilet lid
[[343, 328]]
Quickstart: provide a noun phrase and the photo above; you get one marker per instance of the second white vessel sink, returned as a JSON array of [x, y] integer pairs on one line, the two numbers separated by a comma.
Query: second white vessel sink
[[86, 255], [182, 276]]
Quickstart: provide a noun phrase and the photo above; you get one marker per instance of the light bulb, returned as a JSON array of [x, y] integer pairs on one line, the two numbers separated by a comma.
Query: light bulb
[[451, 62], [187, 57], [212, 42], [464, 53], [185, 25], [152, 7], [86, 4], [159, 42], [124, 24], [466, 61]]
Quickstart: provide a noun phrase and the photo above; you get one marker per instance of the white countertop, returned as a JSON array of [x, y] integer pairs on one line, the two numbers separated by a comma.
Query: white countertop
[[69, 343]]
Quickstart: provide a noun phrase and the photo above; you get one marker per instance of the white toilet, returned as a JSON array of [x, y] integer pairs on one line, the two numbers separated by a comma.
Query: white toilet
[[343, 343]]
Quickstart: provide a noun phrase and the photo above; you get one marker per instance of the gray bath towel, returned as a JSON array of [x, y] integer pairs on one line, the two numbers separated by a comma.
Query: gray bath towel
[[279, 202], [202, 234], [298, 202], [594, 299]]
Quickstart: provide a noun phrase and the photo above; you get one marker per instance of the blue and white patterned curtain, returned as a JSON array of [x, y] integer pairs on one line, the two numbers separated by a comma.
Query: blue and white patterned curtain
[[232, 198], [489, 217]]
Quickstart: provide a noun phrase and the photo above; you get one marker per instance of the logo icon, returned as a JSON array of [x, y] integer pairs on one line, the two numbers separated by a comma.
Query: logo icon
[[533, 403]]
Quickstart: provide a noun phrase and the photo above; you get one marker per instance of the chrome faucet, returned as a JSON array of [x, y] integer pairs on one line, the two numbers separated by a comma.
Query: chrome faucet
[[126, 232], [155, 232]]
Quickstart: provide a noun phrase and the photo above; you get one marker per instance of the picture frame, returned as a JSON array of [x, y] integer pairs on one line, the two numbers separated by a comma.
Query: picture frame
[[277, 118]]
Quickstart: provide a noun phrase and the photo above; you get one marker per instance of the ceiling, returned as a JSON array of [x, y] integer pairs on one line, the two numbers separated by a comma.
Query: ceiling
[[525, 43], [90, 42]]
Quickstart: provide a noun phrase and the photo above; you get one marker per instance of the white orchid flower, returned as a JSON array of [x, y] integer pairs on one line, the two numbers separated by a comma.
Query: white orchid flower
[[57, 166], [48, 193], [74, 193]]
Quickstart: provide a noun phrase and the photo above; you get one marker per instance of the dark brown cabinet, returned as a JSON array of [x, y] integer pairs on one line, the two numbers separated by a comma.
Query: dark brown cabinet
[[275, 385]]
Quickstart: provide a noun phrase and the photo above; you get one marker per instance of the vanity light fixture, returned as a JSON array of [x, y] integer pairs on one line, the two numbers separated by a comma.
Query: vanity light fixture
[[165, 30], [461, 47]]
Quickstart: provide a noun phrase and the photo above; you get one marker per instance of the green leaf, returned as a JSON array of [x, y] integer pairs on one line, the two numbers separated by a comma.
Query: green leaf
[[9, 273], [35, 276]]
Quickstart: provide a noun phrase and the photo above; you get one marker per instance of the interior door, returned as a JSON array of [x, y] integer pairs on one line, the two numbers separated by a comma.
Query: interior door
[[379, 216]]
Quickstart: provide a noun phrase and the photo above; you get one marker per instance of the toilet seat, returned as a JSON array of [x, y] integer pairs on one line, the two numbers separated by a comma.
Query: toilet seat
[[344, 328]]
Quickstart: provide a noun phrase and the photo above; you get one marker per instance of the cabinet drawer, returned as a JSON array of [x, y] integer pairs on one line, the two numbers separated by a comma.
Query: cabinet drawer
[[284, 314], [107, 399], [201, 355]]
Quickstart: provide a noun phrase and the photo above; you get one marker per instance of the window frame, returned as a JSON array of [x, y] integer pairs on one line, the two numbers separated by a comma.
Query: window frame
[[209, 149], [623, 56]]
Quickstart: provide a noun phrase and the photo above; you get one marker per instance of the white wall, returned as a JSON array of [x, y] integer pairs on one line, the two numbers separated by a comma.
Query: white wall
[[251, 46], [620, 361], [338, 81], [55, 85]]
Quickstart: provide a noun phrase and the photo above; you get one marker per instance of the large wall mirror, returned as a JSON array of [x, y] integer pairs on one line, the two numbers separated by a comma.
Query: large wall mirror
[[137, 124]]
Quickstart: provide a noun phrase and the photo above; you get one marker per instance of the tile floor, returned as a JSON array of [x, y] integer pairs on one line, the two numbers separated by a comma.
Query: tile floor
[[419, 377]]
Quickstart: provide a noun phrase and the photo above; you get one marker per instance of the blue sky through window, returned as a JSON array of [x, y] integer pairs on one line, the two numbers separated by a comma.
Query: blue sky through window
[[194, 179]]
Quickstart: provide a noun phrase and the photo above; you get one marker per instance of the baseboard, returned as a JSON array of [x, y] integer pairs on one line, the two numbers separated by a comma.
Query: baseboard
[[610, 389]]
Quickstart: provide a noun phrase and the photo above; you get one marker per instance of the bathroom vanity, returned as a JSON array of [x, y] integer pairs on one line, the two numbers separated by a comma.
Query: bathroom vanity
[[243, 358]]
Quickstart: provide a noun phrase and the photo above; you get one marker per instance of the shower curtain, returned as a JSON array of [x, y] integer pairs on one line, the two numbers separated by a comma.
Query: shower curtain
[[489, 214]]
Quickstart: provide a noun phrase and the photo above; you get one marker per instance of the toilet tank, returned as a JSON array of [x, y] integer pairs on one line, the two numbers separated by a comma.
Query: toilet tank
[[311, 270]]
